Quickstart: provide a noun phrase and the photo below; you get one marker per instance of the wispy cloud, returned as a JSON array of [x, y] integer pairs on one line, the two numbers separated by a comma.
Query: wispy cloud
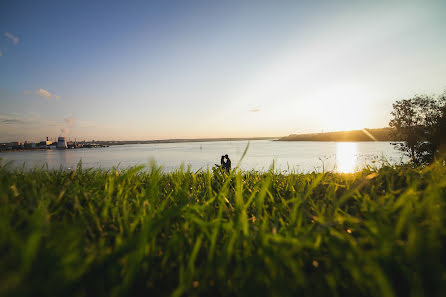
[[255, 109], [10, 121], [19, 119], [11, 37], [26, 126], [43, 93], [30, 119]]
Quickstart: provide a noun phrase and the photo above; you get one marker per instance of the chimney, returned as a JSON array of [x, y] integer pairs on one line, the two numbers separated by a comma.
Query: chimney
[[47, 138]]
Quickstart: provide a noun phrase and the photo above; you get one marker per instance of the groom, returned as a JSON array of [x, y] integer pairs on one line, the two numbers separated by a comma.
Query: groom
[[226, 165]]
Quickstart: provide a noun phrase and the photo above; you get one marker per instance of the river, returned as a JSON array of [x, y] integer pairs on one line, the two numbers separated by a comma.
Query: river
[[287, 156]]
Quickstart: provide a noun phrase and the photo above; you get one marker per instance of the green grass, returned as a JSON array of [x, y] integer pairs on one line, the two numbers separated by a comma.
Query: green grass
[[378, 232]]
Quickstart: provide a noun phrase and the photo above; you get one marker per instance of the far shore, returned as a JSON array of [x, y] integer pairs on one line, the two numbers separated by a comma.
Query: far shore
[[364, 135], [105, 143], [122, 142]]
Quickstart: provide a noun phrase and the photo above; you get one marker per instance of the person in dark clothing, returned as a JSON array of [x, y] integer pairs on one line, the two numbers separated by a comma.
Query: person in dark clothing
[[222, 162], [227, 163]]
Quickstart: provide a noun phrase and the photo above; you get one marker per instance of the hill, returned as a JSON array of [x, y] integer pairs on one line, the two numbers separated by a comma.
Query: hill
[[382, 134]]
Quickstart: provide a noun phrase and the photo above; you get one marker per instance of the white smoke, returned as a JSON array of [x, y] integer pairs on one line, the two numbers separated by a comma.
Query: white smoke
[[65, 131], [69, 121]]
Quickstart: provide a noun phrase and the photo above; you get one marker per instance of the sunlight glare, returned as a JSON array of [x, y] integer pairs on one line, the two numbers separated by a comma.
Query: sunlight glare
[[338, 108], [346, 156]]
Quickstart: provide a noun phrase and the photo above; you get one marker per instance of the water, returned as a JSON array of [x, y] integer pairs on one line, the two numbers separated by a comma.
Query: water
[[297, 156]]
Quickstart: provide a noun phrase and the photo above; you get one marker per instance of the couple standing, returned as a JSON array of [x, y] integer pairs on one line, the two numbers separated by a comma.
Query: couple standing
[[225, 163]]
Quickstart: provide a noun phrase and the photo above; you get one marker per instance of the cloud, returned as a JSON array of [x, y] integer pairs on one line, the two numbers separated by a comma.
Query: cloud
[[43, 93], [256, 109], [69, 121], [26, 126], [19, 119], [10, 121], [11, 37]]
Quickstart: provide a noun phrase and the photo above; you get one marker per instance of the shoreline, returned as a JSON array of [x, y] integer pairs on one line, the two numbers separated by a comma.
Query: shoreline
[[106, 143], [364, 135], [103, 144]]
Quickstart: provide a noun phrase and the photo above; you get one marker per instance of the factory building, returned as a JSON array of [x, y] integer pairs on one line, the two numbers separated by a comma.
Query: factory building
[[61, 143]]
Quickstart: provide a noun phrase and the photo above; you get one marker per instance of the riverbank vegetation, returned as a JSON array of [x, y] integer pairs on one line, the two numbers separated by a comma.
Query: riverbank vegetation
[[420, 122], [377, 232]]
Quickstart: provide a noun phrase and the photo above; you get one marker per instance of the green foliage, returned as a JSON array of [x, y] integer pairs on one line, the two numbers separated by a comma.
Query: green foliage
[[378, 232], [421, 123]]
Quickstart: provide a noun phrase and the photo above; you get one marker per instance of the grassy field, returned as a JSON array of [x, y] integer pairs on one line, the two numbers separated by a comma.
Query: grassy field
[[378, 232]]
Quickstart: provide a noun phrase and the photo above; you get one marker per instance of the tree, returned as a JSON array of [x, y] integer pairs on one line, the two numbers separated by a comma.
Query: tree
[[420, 122]]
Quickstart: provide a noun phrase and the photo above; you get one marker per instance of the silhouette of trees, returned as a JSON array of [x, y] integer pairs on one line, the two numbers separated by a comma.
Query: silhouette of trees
[[421, 123]]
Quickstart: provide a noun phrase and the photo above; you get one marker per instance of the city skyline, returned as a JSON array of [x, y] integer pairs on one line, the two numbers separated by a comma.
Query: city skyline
[[164, 70]]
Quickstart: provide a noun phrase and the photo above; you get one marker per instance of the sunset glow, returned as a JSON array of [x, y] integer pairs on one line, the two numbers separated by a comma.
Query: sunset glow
[[155, 70]]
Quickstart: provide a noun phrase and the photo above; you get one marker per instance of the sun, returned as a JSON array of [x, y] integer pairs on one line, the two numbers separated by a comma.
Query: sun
[[345, 122], [340, 109]]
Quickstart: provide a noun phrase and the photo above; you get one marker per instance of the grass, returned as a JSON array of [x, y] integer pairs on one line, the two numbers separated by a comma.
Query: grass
[[378, 232]]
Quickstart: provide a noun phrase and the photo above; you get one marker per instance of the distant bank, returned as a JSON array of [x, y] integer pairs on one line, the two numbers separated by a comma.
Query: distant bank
[[121, 142], [382, 134], [30, 146]]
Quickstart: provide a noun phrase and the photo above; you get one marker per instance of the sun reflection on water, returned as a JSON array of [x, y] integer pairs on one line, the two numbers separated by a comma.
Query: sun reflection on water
[[346, 156]]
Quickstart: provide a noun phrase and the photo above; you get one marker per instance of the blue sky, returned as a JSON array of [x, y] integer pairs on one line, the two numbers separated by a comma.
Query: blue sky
[[187, 69]]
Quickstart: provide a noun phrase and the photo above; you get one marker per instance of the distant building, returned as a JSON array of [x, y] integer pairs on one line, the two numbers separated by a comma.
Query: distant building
[[61, 143], [16, 145], [48, 142], [29, 145], [42, 145]]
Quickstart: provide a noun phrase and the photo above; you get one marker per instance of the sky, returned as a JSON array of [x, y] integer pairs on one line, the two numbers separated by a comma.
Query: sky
[[141, 70]]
